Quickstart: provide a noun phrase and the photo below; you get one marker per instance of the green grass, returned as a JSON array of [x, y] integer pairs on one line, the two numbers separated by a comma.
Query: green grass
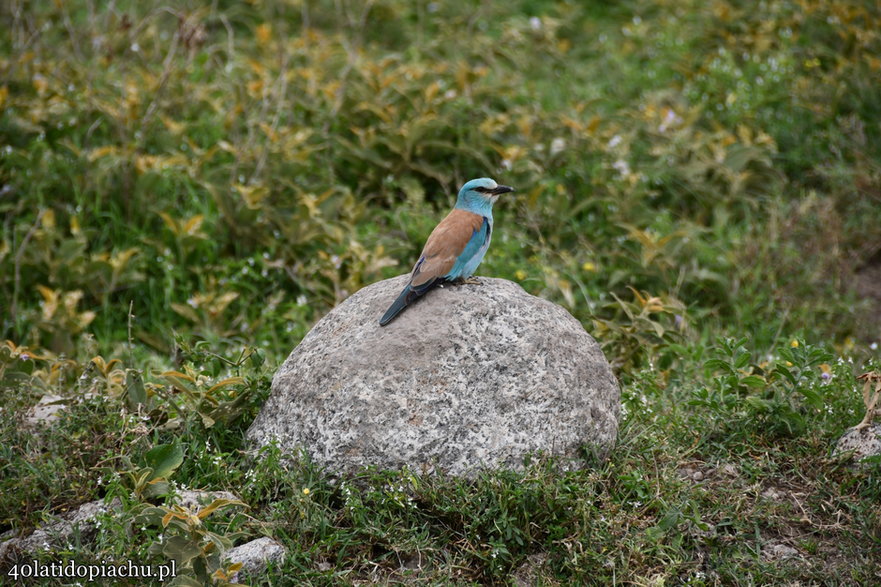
[[697, 184]]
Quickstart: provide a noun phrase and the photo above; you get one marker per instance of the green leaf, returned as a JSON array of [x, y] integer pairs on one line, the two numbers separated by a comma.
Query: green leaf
[[756, 381], [135, 393], [157, 488], [758, 403], [784, 372], [718, 365], [181, 549], [813, 398], [670, 520], [786, 354], [164, 459]]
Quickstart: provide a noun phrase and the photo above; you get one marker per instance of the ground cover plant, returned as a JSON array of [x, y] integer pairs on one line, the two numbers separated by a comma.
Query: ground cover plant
[[186, 188]]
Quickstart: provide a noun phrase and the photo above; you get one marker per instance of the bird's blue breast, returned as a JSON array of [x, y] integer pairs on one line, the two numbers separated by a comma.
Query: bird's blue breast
[[473, 253]]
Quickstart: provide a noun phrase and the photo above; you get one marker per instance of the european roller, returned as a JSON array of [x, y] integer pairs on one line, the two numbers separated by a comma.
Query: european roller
[[456, 246]]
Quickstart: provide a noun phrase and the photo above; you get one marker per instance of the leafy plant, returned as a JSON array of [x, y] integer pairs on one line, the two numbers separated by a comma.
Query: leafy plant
[[641, 328], [197, 550], [151, 480], [776, 399]]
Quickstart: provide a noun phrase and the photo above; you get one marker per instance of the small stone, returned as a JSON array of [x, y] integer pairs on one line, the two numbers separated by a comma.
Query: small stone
[[530, 573], [728, 469], [46, 411], [772, 493], [255, 556], [860, 442], [777, 551]]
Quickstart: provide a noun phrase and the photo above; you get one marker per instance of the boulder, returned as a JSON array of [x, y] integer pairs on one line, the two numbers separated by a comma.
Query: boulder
[[468, 377]]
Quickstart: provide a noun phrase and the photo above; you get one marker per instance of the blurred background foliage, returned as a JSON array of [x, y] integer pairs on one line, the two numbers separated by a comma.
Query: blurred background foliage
[[190, 161], [187, 187]]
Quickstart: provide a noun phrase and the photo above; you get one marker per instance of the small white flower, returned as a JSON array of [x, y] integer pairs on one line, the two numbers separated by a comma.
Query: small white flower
[[615, 141], [535, 23], [670, 119], [874, 346], [622, 167], [558, 145]]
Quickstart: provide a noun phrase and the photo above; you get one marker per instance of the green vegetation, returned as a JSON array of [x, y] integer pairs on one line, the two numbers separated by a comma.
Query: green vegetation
[[186, 189]]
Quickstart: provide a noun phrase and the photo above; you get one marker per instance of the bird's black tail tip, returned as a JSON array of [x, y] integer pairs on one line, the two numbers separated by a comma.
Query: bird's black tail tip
[[399, 304]]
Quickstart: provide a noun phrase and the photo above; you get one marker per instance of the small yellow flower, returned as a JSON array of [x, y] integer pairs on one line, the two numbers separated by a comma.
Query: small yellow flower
[[788, 364], [263, 33], [588, 266], [520, 274], [794, 344], [306, 491]]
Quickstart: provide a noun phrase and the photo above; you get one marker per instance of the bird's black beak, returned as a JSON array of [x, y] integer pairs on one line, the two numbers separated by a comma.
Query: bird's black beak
[[501, 189]]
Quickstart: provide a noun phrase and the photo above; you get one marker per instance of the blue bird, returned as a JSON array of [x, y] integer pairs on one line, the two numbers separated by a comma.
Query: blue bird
[[456, 246]]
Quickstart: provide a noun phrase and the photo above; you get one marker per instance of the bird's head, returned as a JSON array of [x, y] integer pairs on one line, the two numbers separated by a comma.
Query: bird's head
[[481, 192]]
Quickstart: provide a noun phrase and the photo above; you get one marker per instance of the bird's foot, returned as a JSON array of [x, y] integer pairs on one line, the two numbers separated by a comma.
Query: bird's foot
[[468, 280]]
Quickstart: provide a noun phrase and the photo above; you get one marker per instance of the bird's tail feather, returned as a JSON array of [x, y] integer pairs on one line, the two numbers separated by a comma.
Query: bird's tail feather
[[399, 304], [407, 297]]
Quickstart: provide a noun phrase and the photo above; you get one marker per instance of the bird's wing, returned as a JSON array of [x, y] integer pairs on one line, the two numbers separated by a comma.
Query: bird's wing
[[445, 245]]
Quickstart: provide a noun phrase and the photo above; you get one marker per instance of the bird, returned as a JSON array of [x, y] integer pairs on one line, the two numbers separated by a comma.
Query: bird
[[455, 247]]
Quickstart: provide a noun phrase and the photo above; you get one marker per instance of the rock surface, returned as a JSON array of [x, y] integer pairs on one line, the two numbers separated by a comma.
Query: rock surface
[[468, 377], [83, 520], [860, 443], [255, 556], [196, 499], [46, 411]]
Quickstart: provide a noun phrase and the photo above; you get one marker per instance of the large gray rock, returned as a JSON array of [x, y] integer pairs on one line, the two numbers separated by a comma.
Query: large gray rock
[[468, 377]]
